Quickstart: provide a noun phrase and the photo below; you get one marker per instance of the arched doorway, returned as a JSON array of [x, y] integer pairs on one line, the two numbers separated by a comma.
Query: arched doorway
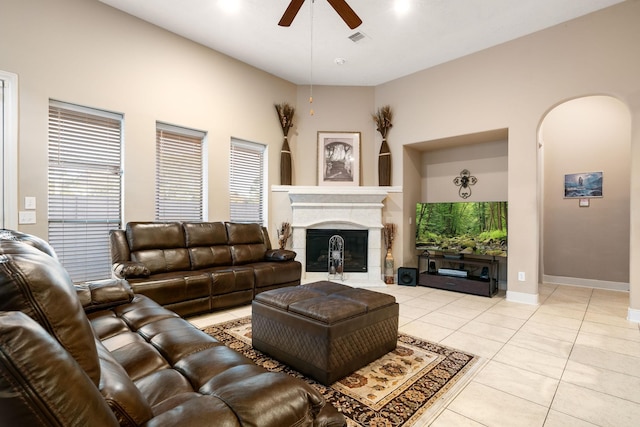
[[585, 239]]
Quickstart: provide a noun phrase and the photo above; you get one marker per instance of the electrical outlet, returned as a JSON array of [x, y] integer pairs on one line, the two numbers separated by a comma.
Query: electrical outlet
[[27, 217], [521, 276]]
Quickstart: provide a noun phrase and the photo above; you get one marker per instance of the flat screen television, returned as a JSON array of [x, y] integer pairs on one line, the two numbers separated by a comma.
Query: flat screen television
[[478, 228]]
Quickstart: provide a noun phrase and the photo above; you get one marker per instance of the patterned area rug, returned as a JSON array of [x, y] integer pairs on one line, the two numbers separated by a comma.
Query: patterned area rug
[[414, 382]]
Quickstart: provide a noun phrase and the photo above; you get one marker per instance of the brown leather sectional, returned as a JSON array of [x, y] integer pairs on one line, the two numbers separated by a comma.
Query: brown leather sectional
[[196, 267], [97, 354]]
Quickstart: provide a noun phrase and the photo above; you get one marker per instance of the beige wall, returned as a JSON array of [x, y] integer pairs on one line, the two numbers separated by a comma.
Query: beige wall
[[590, 134], [116, 62], [513, 86], [339, 109], [487, 162], [87, 53]]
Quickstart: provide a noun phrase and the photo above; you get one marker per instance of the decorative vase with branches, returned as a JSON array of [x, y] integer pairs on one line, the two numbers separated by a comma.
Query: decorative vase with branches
[[285, 114], [389, 233], [383, 123], [284, 233]]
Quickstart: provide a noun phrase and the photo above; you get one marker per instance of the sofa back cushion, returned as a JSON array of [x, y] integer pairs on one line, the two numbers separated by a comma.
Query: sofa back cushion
[[36, 284], [207, 244], [161, 247], [40, 383], [246, 242]]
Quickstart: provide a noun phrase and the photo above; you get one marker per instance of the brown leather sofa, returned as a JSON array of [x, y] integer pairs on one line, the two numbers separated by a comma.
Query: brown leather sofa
[[195, 267], [96, 354]]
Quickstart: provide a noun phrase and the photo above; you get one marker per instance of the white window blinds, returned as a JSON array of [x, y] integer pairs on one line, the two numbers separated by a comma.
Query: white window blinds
[[84, 187], [247, 182], [179, 173]]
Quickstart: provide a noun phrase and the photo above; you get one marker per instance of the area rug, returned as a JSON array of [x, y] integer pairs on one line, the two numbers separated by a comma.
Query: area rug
[[413, 383]]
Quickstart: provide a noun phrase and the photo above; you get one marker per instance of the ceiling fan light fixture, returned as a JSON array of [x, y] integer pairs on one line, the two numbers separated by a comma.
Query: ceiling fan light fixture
[[340, 6]]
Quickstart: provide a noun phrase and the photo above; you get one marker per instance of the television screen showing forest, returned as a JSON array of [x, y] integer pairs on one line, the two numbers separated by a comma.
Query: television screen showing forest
[[462, 227]]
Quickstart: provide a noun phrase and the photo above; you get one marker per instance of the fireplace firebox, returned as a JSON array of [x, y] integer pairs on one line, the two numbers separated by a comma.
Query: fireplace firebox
[[355, 249]]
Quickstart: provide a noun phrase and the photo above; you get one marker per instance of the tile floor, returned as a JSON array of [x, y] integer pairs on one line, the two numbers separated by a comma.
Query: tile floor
[[572, 361]]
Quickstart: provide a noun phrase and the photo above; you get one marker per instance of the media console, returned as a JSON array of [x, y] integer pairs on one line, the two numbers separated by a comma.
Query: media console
[[477, 276]]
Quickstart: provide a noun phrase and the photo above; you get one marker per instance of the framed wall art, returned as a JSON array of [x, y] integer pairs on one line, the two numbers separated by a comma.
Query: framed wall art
[[339, 158], [583, 185]]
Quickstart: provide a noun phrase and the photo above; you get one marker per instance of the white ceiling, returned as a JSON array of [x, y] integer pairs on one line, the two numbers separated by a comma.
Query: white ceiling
[[428, 33]]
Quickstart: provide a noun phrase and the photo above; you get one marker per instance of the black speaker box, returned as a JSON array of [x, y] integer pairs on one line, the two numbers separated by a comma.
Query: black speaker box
[[407, 276]]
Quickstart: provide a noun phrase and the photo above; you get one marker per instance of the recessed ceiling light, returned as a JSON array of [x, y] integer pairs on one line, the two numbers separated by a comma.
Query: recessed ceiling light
[[229, 6], [340, 61], [401, 6]]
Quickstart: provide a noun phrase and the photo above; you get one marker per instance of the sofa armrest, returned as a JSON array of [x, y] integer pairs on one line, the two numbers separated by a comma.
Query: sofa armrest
[[130, 269], [279, 255], [102, 294], [42, 384]]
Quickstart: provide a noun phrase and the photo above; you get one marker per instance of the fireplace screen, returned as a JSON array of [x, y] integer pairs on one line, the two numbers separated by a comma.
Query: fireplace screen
[[355, 249]]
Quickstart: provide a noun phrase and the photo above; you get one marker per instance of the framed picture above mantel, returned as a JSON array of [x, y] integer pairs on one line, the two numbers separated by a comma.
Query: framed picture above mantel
[[339, 158]]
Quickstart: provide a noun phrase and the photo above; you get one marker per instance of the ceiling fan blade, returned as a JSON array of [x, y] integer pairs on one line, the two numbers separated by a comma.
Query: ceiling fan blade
[[290, 13], [346, 13]]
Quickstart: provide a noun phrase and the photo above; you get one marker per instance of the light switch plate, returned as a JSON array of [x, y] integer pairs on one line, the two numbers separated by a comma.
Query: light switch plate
[[29, 202]]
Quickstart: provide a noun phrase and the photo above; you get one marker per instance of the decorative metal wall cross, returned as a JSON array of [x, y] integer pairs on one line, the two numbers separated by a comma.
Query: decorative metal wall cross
[[464, 181]]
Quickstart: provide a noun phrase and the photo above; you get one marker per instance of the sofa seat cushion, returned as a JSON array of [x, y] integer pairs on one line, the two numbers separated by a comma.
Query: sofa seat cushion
[[169, 288], [243, 388], [163, 385], [229, 279], [241, 385], [195, 410], [272, 273], [121, 394]]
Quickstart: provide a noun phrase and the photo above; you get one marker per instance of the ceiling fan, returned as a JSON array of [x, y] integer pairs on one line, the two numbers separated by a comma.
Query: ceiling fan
[[340, 6]]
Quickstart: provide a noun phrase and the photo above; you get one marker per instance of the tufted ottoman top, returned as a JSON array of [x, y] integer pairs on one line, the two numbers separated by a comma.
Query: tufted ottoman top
[[326, 302]]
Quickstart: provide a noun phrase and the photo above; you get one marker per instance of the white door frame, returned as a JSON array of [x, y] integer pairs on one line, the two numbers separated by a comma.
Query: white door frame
[[9, 151]]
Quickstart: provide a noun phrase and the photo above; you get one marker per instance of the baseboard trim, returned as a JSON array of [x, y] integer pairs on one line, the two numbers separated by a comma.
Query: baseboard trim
[[522, 298], [587, 283], [633, 315]]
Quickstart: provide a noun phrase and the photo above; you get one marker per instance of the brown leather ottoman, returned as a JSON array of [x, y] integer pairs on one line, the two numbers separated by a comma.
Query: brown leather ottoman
[[324, 330]]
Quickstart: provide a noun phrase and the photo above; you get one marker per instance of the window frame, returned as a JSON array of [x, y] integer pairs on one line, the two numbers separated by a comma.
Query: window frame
[[255, 148], [178, 135], [84, 186]]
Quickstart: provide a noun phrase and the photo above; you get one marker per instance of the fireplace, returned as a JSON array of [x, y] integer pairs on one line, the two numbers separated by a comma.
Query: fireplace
[[339, 208], [355, 249]]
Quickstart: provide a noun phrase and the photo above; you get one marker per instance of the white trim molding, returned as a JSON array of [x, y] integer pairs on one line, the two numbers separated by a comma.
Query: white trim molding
[[9, 157], [587, 283], [522, 298], [633, 315]]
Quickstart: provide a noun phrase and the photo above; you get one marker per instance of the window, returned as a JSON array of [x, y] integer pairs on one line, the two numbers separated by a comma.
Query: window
[[84, 187], [179, 173], [247, 182]]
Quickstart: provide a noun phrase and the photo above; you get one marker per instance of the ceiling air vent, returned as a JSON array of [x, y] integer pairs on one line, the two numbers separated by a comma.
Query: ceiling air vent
[[356, 37]]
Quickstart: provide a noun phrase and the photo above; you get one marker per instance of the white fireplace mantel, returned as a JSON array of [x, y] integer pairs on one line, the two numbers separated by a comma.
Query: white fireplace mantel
[[339, 207]]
